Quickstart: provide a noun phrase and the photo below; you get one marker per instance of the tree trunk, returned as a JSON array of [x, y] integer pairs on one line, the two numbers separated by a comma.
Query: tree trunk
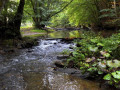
[[15, 24], [12, 29], [18, 18], [38, 20]]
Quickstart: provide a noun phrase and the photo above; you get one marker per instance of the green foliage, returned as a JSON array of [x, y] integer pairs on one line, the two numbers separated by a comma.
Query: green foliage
[[107, 77], [113, 64], [8, 11], [89, 13], [113, 78], [98, 55], [41, 10], [83, 12], [65, 52], [60, 20], [79, 13], [25, 27], [110, 15], [107, 13]]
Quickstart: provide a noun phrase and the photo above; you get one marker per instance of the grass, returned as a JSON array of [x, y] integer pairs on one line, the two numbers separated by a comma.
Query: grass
[[38, 31], [25, 27]]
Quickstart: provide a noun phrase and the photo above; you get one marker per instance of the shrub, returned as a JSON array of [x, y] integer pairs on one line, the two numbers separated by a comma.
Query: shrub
[[95, 54]]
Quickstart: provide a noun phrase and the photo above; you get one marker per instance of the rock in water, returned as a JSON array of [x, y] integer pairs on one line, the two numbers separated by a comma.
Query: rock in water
[[62, 57], [59, 64]]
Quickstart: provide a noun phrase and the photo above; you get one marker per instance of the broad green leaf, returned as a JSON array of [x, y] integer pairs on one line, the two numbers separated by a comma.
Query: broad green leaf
[[100, 72], [94, 40], [107, 77], [103, 52], [100, 44], [118, 72], [93, 49], [116, 80], [92, 69], [113, 64], [106, 55], [102, 65], [116, 75], [89, 60]]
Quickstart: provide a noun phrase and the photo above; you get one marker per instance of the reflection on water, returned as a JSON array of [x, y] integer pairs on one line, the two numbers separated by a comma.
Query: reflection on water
[[57, 81], [12, 81], [31, 69], [78, 33], [65, 34]]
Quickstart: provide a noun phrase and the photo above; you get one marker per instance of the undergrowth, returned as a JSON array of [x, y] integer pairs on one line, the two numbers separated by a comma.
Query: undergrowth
[[98, 56]]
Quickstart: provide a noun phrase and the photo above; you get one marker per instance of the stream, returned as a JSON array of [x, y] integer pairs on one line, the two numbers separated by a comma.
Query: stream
[[32, 69]]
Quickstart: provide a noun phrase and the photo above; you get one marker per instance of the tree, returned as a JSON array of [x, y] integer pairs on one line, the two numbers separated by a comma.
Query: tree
[[17, 19], [10, 25], [89, 13], [83, 12], [43, 10], [110, 15]]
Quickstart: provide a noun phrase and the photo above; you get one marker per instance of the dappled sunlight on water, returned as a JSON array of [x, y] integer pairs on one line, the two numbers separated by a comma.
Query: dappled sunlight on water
[[57, 81], [65, 34], [32, 69]]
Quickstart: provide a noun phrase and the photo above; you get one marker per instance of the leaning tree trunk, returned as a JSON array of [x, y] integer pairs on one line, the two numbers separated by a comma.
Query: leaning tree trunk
[[18, 18], [15, 24]]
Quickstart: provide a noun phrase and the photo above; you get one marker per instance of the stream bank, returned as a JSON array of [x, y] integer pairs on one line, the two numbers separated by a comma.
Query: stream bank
[[33, 69]]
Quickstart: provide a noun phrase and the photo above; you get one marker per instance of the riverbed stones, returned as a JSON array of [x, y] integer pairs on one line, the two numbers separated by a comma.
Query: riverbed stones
[[45, 43], [73, 72], [59, 64], [55, 43], [71, 47], [9, 50], [70, 64], [30, 50], [62, 57], [2, 52]]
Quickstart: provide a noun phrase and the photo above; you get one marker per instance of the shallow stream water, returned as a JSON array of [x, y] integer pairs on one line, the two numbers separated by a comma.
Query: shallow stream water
[[32, 69]]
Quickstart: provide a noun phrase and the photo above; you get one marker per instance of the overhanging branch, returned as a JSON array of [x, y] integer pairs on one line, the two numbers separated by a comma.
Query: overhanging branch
[[27, 12], [61, 9]]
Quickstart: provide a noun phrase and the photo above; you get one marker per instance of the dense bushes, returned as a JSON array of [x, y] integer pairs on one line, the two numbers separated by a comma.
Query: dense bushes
[[98, 56]]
